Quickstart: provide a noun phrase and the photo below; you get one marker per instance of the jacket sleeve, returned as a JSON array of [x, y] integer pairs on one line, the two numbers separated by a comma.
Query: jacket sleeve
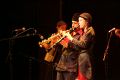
[[82, 43]]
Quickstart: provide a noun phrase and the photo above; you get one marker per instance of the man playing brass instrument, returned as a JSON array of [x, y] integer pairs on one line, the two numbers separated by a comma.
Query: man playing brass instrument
[[51, 52]]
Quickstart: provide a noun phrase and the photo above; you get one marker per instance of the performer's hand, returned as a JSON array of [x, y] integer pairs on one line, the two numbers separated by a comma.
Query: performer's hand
[[68, 35]]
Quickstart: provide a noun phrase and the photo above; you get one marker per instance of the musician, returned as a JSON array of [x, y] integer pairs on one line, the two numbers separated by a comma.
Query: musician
[[77, 52], [47, 44], [67, 65], [53, 52]]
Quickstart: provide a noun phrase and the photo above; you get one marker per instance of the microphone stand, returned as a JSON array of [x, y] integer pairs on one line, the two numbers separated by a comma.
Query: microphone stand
[[106, 50], [23, 32], [105, 55], [11, 43], [18, 35], [10, 58]]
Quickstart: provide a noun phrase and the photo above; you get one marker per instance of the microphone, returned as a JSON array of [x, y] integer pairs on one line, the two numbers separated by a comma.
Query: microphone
[[41, 36], [22, 29], [111, 30], [35, 31]]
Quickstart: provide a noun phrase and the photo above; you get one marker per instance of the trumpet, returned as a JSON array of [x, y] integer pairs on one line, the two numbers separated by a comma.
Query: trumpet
[[54, 39], [50, 40], [63, 36]]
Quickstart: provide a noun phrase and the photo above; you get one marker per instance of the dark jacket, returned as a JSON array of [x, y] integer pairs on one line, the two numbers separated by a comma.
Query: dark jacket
[[79, 45]]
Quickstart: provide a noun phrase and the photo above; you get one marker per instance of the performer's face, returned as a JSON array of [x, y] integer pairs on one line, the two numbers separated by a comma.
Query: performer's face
[[75, 24], [62, 28], [82, 22]]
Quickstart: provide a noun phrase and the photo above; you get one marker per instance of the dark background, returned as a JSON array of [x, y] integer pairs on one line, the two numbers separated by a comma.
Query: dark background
[[21, 58]]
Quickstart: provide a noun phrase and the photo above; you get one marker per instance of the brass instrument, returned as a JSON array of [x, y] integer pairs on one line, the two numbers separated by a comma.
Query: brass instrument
[[51, 42], [46, 43], [50, 55], [62, 37]]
